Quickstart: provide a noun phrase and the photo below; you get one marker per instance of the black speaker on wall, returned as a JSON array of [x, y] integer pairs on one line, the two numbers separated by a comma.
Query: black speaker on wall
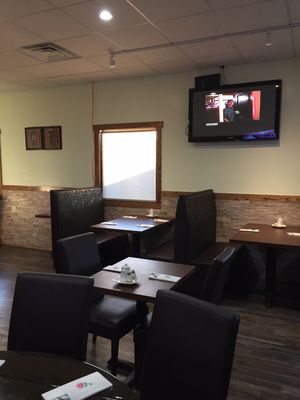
[[208, 81]]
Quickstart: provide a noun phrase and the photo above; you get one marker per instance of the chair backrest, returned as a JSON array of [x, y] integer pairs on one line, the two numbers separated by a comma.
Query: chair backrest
[[217, 277], [50, 314], [79, 254], [73, 211], [195, 226], [189, 350]]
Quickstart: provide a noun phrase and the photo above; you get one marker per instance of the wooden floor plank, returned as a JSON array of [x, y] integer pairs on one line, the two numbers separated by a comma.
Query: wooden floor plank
[[267, 358]]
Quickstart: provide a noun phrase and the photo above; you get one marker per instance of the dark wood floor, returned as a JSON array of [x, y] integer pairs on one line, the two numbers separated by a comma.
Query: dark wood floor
[[267, 358]]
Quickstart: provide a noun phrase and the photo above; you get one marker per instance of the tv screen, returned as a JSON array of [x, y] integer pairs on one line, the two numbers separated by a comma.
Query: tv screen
[[246, 111]]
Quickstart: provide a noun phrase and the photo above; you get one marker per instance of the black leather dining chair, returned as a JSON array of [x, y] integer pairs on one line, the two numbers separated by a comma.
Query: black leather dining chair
[[190, 349], [50, 314], [73, 211], [110, 317], [207, 283]]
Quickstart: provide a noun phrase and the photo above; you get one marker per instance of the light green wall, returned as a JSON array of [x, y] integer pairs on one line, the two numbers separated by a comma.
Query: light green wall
[[69, 107], [228, 168]]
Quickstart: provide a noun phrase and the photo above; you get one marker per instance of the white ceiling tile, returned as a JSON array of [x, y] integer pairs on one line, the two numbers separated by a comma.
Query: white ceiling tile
[[220, 4], [12, 36], [53, 25], [99, 75], [296, 40], [17, 8], [86, 46], [63, 3], [136, 36], [252, 16], [158, 10], [74, 25], [16, 75], [69, 80], [77, 66], [123, 14], [257, 41], [272, 53], [12, 59], [170, 67], [294, 7], [186, 28], [169, 54], [122, 61], [40, 84], [135, 72], [45, 70], [211, 47], [217, 60]]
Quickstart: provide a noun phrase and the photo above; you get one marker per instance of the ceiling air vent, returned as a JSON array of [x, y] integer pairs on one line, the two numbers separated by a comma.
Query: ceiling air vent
[[48, 52]]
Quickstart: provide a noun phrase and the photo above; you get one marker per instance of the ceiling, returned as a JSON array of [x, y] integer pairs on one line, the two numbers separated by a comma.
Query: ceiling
[[147, 37]]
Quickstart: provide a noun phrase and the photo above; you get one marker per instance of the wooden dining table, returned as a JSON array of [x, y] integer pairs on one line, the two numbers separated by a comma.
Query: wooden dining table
[[27, 376], [135, 226], [145, 289], [271, 238]]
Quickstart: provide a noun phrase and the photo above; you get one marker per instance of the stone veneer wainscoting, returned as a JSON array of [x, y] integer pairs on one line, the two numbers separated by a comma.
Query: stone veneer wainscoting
[[20, 227]]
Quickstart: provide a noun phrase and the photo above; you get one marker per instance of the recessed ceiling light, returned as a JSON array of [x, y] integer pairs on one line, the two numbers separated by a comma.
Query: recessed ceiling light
[[105, 15]]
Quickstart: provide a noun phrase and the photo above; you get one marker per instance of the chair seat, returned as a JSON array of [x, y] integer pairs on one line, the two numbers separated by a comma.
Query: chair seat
[[112, 316]]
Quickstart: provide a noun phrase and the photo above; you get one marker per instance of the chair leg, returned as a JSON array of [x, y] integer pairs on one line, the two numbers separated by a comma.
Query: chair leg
[[94, 338], [114, 356]]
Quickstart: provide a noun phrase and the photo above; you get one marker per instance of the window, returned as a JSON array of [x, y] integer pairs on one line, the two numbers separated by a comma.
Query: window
[[128, 163]]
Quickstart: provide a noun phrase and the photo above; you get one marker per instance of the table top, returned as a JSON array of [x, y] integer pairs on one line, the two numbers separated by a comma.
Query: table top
[[146, 289], [132, 224], [28, 375], [268, 236]]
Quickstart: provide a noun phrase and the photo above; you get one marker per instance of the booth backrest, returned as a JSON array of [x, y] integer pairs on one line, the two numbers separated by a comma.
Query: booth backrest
[[195, 227], [73, 211]]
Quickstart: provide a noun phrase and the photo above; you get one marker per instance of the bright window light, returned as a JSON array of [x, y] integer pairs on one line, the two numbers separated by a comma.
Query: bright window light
[[129, 165]]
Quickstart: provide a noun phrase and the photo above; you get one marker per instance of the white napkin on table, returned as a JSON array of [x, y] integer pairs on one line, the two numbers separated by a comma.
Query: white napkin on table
[[164, 277], [145, 225], [114, 268]]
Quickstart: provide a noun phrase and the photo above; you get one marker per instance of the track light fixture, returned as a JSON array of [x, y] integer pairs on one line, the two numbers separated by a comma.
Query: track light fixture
[[112, 61], [268, 39]]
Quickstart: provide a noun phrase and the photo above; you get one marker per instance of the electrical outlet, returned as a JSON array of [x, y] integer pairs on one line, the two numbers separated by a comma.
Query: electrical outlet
[[13, 209]]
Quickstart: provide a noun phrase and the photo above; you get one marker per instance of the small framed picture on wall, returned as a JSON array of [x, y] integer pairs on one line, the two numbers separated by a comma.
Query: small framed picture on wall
[[52, 139], [33, 138]]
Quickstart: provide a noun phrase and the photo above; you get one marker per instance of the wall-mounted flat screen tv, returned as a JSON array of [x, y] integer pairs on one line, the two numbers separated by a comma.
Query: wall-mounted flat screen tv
[[246, 111]]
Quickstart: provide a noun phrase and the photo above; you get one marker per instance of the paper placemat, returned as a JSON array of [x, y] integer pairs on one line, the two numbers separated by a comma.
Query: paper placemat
[[130, 216], [293, 233], [161, 220], [79, 389], [164, 277], [145, 225]]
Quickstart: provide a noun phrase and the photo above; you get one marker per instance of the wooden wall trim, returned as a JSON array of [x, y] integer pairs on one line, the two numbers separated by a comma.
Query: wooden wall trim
[[243, 197], [171, 194]]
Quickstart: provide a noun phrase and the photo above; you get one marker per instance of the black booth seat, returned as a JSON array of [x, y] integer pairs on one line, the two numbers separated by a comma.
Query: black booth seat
[[73, 211], [193, 241]]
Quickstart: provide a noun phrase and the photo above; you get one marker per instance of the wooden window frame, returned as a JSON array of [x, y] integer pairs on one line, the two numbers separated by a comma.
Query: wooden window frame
[[129, 127]]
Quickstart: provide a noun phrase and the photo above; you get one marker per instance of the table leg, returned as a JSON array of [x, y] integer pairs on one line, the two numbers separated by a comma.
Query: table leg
[[271, 261], [135, 245]]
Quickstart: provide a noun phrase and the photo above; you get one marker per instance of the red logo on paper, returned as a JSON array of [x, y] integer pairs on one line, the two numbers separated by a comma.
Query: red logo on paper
[[82, 385]]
